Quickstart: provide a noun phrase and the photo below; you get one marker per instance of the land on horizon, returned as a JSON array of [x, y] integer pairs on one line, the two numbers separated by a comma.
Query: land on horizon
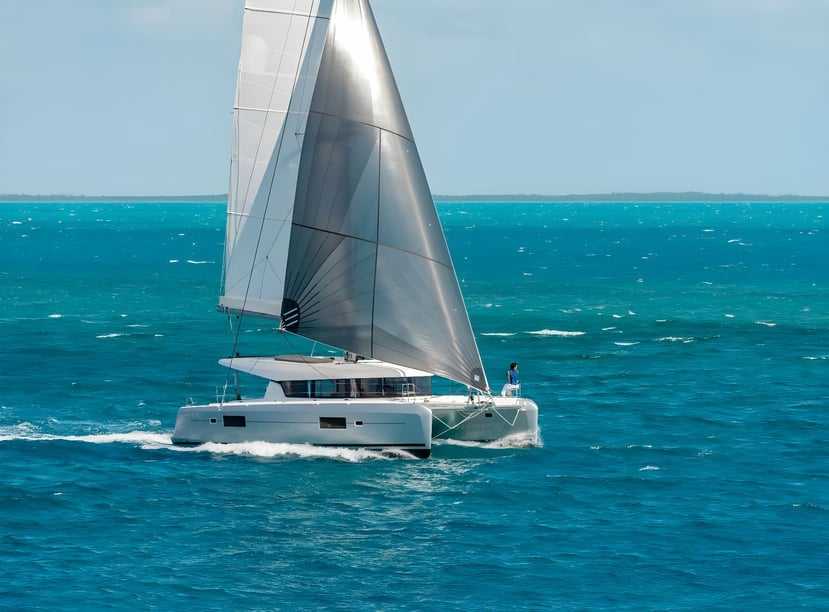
[[686, 196]]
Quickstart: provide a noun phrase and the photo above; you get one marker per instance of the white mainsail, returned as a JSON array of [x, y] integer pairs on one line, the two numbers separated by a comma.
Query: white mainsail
[[341, 237]]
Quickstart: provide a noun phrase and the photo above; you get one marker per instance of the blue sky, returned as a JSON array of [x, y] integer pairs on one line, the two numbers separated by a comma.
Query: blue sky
[[134, 97]]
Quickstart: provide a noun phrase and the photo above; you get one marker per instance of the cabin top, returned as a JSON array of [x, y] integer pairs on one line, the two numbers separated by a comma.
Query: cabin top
[[301, 367]]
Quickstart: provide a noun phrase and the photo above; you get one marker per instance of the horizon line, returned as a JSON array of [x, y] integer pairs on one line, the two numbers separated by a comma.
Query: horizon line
[[629, 196]]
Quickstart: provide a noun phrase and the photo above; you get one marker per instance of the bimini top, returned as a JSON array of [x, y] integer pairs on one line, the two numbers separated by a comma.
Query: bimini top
[[298, 367]]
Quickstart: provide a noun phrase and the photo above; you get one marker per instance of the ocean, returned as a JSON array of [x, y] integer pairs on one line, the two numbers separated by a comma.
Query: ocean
[[678, 352]]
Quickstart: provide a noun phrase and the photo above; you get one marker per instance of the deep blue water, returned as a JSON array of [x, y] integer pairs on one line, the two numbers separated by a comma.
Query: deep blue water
[[679, 354]]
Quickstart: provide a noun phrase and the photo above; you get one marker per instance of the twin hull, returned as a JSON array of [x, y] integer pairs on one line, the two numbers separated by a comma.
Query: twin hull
[[407, 425]]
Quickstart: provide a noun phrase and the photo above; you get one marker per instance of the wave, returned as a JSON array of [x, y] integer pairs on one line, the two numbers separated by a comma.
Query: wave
[[626, 343], [150, 440], [556, 332], [27, 432], [766, 323], [499, 334], [133, 335], [520, 440]]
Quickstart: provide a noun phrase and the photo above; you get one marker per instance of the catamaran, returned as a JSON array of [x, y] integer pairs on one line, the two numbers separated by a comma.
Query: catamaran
[[332, 231]]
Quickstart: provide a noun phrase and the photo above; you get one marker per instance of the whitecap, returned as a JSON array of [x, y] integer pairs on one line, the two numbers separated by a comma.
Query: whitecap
[[766, 323], [626, 343], [197, 263], [110, 335], [55, 316], [174, 261], [650, 468], [499, 334], [556, 332], [675, 339]]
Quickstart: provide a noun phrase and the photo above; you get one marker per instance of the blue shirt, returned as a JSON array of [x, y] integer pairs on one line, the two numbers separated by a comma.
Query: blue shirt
[[513, 376]]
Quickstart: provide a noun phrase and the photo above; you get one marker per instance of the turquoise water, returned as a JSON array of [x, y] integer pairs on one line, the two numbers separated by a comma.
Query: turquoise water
[[679, 354]]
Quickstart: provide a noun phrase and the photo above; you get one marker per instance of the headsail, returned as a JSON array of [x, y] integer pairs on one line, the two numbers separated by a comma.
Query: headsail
[[368, 266], [282, 41]]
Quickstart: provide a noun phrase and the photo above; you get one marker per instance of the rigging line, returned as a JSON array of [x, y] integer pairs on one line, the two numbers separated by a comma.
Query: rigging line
[[376, 233], [288, 336], [277, 149]]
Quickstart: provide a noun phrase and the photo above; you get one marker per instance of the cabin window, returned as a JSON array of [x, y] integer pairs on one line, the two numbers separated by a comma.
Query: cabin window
[[332, 422], [358, 387], [232, 420]]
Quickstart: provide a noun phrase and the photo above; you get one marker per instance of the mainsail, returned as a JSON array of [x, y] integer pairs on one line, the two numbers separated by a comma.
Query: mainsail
[[366, 268]]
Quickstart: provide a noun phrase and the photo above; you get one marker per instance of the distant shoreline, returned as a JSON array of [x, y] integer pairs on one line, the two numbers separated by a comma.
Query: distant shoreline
[[688, 196]]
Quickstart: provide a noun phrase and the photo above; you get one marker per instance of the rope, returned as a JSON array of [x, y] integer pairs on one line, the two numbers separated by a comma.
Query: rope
[[476, 412]]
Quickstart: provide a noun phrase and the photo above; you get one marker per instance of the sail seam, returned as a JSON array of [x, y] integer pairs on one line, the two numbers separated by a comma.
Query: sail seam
[[370, 241], [365, 123], [284, 12]]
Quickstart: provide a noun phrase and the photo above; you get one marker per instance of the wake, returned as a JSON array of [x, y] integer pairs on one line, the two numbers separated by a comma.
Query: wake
[[161, 441], [149, 440]]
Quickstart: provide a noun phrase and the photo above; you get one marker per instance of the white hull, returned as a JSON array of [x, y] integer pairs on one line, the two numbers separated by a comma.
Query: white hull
[[407, 425], [454, 418], [376, 424]]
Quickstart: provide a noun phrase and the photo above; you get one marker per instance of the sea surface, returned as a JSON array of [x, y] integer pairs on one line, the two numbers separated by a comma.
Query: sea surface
[[679, 354]]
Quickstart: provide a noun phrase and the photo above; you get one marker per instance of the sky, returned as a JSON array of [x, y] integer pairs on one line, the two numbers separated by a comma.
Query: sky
[[134, 97]]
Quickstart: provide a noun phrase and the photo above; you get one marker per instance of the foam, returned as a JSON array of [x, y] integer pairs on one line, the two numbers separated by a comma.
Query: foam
[[151, 440], [520, 440], [556, 332], [273, 450]]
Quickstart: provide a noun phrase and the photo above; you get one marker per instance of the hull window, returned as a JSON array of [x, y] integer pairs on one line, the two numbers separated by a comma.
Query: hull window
[[332, 422], [231, 420]]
